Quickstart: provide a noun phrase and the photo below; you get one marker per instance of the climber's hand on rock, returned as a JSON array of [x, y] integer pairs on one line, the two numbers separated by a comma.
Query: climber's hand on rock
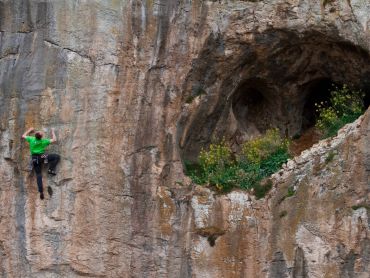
[[27, 132], [53, 136]]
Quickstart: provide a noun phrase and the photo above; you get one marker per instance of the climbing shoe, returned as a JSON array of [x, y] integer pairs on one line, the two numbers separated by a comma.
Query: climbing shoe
[[51, 172], [50, 191], [42, 195]]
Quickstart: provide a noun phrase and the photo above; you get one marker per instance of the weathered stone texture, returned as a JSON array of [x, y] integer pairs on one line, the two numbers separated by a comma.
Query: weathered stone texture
[[133, 87]]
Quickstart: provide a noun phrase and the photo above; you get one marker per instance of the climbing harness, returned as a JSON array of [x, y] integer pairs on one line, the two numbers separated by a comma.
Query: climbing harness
[[35, 159]]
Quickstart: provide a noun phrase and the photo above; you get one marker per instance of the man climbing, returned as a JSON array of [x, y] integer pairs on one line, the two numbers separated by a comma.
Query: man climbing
[[37, 148]]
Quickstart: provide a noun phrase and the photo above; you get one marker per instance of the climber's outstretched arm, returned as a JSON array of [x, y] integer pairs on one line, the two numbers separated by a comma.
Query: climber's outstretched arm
[[53, 137], [27, 132]]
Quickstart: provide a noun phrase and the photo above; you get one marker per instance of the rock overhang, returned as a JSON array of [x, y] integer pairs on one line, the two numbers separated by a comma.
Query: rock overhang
[[270, 80]]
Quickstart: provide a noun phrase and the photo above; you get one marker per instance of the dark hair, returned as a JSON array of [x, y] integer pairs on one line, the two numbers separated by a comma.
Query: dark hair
[[38, 135]]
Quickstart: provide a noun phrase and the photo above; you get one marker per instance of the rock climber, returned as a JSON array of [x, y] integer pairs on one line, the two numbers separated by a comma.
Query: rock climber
[[37, 147]]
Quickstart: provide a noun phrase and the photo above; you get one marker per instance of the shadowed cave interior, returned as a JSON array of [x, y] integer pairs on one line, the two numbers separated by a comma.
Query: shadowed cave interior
[[252, 105], [317, 91], [277, 89]]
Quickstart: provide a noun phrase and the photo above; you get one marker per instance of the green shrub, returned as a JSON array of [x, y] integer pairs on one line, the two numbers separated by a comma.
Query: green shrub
[[260, 190], [356, 207], [291, 192], [216, 158], [273, 162], [257, 150], [326, 2], [249, 175], [259, 158], [330, 157], [344, 107], [215, 167], [195, 172], [327, 117]]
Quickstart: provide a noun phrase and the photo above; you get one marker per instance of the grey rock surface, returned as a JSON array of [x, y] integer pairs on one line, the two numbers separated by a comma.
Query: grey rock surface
[[135, 87]]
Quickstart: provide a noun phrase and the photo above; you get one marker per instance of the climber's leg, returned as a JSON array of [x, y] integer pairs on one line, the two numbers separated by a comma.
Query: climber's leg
[[53, 160], [37, 165]]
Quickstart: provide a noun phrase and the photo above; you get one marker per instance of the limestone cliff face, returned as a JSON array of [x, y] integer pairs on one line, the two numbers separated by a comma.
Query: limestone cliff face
[[136, 87]]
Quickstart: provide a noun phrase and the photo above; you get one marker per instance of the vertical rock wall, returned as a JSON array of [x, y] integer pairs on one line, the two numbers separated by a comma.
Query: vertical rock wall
[[113, 78]]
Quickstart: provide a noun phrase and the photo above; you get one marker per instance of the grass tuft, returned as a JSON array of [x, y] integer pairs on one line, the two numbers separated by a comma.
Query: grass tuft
[[291, 192], [356, 207]]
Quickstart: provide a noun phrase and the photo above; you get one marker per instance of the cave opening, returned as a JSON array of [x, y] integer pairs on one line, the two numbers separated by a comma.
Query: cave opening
[[277, 88], [318, 91], [366, 90], [251, 106]]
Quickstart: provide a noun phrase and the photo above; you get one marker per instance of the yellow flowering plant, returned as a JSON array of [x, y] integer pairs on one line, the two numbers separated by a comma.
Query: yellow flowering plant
[[256, 150], [344, 107], [220, 168]]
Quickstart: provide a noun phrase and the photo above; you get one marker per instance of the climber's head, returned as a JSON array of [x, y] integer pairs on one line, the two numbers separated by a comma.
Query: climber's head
[[38, 135]]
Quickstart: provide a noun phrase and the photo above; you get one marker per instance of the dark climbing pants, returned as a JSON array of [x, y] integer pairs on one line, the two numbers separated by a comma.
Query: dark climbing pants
[[38, 161]]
